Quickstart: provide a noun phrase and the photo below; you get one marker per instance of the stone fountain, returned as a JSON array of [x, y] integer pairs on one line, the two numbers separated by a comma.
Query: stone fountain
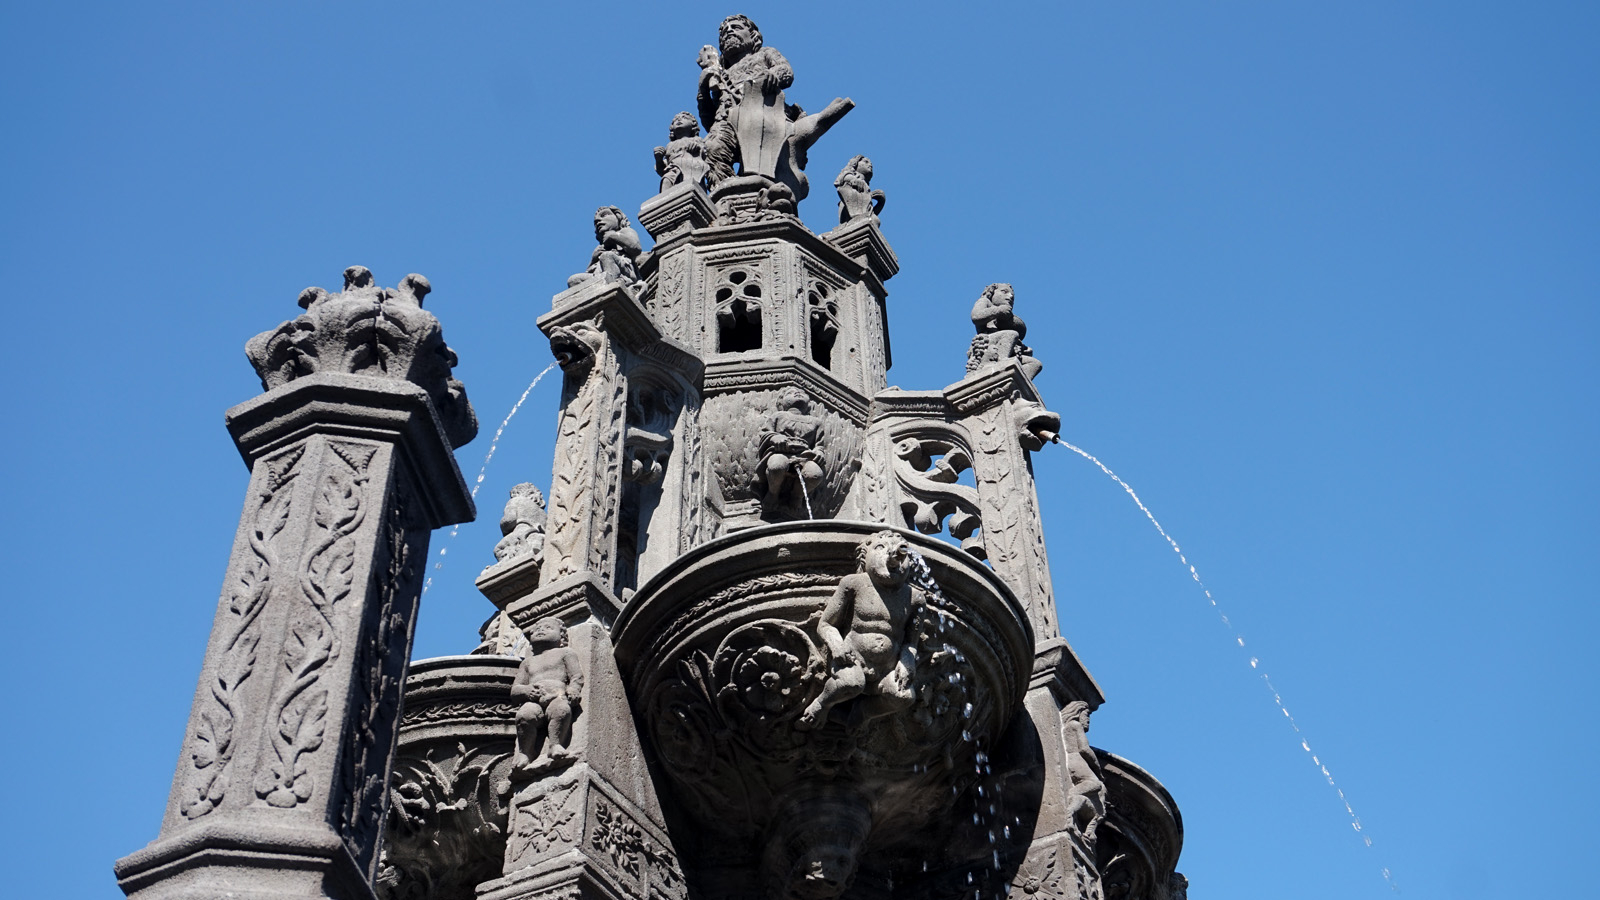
[[775, 630]]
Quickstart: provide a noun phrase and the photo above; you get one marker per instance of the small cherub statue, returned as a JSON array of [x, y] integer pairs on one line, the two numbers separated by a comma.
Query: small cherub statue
[[683, 159], [1000, 333], [788, 451], [856, 198], [522, 523], [549, 682], [616, 259], [870, 628]]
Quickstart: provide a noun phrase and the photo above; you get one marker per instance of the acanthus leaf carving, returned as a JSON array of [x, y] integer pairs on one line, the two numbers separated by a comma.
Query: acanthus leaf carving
[[212, 744], [542, 822], [300, 707]]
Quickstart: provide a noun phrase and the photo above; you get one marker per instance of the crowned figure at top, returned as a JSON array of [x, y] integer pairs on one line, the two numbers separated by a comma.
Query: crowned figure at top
[[745, 114]]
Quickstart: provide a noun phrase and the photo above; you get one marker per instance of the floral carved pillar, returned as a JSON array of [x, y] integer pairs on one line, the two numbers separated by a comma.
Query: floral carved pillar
[[282, 786]]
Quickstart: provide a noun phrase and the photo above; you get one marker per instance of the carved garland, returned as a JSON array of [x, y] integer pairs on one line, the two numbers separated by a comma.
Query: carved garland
[[380, 669], [300, 710], [212, 746]]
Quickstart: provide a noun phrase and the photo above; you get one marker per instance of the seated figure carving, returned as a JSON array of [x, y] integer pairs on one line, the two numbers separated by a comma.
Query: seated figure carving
[[1000, 333], [869, 627], [616, 259], [522, 524], [790, 470], [550, 683]]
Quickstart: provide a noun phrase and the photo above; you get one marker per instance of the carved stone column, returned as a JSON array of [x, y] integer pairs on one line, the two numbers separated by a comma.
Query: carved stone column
[[624, 389], [1006, 420], [282, 786]]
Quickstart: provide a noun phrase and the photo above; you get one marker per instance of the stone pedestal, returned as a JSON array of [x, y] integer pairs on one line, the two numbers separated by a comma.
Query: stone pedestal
[[683, 207], [282, 787]]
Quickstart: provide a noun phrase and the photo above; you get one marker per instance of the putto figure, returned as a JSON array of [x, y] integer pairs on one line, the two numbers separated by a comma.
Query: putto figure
[[616, 259], [550, 683], [789, 470], [857, 200], [869, 627], [683, 159], [1000, 333], [522, 524]]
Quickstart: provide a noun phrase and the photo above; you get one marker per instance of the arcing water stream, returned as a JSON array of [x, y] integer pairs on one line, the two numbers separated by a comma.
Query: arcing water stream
[[1255, 663], [493, 445]]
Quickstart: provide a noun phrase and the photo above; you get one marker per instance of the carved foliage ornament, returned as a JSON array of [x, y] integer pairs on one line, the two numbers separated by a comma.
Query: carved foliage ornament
[[368, 330], [300, 708], [212, 743], [369, 732], [447, 822]]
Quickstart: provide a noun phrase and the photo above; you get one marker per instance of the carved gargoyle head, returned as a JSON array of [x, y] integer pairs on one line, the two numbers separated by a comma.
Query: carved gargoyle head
[[1036, 426], [547, 634], [886, 557], [575, 346]]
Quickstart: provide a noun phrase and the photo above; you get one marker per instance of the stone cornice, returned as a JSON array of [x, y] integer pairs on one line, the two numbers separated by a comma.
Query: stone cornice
[[730, 375], [361, 406]]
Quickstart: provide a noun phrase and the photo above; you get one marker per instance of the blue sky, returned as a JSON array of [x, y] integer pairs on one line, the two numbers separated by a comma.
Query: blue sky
[[1319, 280]]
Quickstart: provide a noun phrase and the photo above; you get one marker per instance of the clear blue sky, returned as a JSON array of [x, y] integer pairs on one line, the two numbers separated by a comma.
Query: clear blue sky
[[1318, 279]]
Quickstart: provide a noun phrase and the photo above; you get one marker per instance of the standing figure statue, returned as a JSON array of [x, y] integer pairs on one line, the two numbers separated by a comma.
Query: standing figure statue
[[1086, 801], [869, 627], [746, 116], [550, 683], [616, 259], [857, 200], [1000, 333], [683, 159], [789, 470]]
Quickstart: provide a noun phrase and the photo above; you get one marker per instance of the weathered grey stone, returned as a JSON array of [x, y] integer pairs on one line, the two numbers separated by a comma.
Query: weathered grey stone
[[746, 116], [677, 210], [857, 199], [717, 667], [616, 259], [367, 330], [282, 785], [1000, 333], [683, 159]]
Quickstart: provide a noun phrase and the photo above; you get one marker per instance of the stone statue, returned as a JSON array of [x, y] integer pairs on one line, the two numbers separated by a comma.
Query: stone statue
[[549, 682], [856, 198], [522, 524], [1000, 333], [683, 159], [788, 452], [368, 330], [746, 116], [1086, 794], [616, 260], [869, 628]]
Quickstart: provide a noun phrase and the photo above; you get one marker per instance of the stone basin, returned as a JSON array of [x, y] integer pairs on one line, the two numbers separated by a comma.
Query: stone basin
[[723, 659]]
